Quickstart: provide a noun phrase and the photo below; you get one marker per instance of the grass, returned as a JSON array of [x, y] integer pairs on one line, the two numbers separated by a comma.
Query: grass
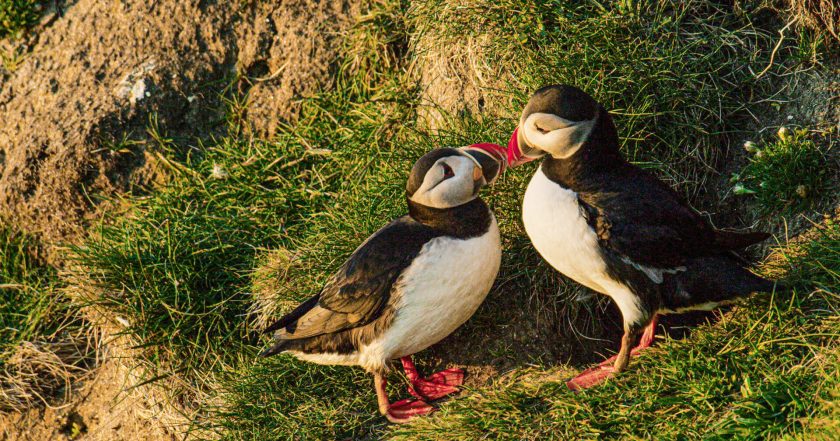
[[667, 70], [17, 15], [788, 174], [26, 309], [767, 370], [43, 343], [177, 271]]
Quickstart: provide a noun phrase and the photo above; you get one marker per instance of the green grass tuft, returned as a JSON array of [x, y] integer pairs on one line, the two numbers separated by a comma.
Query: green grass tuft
[[26, 307], [17, 15], [677, 76], [788, 174]]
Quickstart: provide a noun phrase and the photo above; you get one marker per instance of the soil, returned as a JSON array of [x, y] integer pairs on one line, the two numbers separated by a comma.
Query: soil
[[71, 100], [453, 77], [100, 410]]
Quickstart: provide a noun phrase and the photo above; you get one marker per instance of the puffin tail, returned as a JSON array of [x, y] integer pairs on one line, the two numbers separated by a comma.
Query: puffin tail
[[750, 283], [730, 240], [720, 278]]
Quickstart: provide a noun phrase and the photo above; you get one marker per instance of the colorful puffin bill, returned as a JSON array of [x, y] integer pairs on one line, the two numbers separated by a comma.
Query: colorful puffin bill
[[410, 284], [616, 228]]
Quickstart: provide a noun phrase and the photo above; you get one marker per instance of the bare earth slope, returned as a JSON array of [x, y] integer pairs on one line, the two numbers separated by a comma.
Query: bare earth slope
[[74, 96]]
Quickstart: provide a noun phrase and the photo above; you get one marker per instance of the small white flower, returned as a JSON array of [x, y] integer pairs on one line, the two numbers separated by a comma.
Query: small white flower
[[750, 146], [790, 117], [219, 172], [802, 191], [759, 154], [783, 133]]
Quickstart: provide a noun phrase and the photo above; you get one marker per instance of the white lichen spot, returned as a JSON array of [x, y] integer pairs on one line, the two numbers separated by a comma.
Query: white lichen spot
[[133, 86], [219, 172], [138, 91]]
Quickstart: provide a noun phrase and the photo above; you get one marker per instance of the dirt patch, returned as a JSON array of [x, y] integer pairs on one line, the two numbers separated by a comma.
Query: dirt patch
[[287, 51], [36, 371], [72, 100], [454, 75], [102, 409]]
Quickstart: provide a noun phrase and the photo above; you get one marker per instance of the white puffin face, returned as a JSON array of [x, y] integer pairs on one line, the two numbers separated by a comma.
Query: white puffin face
[[557, 136], [449, 182]]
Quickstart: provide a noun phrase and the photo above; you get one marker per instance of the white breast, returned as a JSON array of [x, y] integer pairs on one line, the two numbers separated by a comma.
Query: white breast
[[440, 291], [558, 230]]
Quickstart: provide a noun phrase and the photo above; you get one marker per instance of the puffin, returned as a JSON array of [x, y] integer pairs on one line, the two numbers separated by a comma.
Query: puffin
[[410, 284], [616, 228]]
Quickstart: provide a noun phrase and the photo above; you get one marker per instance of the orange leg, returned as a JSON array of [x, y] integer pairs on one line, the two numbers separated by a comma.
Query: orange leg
[[402, 410], [617, 363], [434, 386]]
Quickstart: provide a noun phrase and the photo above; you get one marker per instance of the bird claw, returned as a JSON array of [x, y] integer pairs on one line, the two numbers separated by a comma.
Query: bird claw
[[591, 377], [437, 385], [404, 410]]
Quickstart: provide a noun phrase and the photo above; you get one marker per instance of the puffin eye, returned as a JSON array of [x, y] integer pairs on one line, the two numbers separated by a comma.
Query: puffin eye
[[447, 171]]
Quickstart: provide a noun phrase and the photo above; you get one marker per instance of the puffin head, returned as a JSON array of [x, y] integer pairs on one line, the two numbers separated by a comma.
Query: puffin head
[[557, 121], [448, 177]]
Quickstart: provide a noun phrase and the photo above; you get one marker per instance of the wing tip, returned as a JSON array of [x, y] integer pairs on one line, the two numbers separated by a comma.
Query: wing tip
[[730, 240], [278, 347]]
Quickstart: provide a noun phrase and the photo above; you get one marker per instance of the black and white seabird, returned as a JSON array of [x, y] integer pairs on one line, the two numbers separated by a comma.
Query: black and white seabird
[[616, 228], [410, 284]]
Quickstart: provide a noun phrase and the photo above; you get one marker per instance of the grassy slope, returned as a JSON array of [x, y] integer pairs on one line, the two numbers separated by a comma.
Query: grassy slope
[[178, 268]]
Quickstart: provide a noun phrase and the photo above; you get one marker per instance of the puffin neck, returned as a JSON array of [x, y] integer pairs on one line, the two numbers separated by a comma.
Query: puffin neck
[[464, 221], [597, 155]]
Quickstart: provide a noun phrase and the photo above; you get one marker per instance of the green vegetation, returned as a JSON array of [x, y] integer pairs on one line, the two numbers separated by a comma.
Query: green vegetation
[[788, 174], [178, 268], [17, 15], [43, 342], [26, 287], [675, 75]]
